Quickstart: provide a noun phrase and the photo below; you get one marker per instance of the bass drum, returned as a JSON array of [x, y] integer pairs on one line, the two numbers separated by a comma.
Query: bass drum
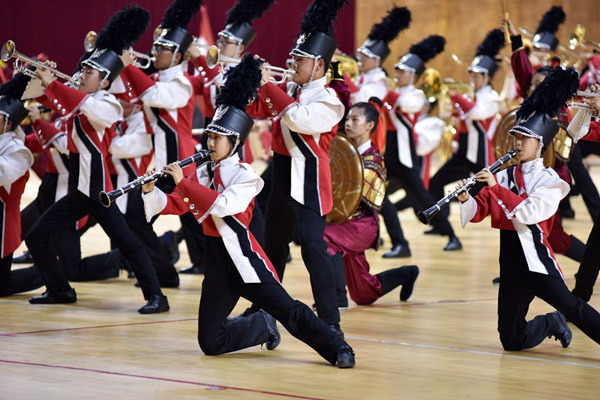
[[346, 179], [504, 141]]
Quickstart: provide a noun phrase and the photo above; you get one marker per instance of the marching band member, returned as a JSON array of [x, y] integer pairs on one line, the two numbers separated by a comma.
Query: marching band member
[[305, 116], [15, 160], [168, 105], [373, 52], [348, 241], [89, 113], [404, 107], [222, 193], [522, 201], [477, 119]]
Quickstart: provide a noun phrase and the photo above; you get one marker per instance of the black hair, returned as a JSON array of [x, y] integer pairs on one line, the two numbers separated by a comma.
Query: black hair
[[370, 111]]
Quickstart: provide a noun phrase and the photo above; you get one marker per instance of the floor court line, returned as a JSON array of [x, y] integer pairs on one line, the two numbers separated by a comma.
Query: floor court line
[[157, 378]]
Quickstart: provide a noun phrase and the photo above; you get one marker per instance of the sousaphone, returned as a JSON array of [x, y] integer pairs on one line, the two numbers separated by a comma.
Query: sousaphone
[[346, 179]]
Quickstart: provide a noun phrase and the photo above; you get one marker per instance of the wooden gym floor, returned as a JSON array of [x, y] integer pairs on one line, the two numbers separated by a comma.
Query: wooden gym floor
[[440, 344]]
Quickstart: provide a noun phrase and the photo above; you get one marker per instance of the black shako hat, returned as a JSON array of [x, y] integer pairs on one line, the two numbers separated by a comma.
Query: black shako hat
[[420, 53], [11, 105], [544, 38], [534, 117], [315, 39], [376, 45], [238, 26], [240, 88], [486, 61], [120, 33], [173, 30]]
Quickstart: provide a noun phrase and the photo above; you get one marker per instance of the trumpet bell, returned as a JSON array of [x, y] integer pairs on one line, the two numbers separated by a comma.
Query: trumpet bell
[[8, 50], [89, 42]]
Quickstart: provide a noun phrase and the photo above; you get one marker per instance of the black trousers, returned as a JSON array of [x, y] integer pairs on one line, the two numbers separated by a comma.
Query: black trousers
[[392, 223], [518, 287], [587, 274], [410, 180], [285, 215], [584, 183], [17, 281], [64, 213], [458, 167], [221, 289]]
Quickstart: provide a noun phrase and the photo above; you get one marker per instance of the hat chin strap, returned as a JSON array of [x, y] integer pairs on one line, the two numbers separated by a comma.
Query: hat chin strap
[[312, 74], [538, 154]]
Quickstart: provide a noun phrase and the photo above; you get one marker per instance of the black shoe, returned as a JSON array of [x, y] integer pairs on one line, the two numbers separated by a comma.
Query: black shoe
[[274, 336], [193, 270], [398, 251], [496, 280], [61, 297], [157, 303], [432, 231], [169, 283], [562, 331], [337, 330], [453, 244], [25, 258], [345, 357], [408, 287]]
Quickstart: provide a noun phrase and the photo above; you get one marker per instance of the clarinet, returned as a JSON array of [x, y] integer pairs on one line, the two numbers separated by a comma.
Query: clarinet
[[108, 198], [426, 216]]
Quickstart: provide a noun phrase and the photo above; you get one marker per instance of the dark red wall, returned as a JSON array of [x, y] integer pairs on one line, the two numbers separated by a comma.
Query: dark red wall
[[58, 27]]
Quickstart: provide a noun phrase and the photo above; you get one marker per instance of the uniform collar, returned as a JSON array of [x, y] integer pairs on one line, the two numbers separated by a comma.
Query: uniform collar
[[229, 161], [170, 73], [314, 85], [364, 147], [530, 166]]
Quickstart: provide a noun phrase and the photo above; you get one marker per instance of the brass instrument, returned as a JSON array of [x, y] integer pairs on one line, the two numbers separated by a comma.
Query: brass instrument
[[89, 44], [346, 179], [426, 216], [108, 198], [9, 51], [577, 39], [569, 58], [277, 74], [349, 64]]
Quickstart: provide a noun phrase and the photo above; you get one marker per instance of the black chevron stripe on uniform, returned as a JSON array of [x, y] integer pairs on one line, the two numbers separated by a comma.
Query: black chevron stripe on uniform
[[543, 251], [171, 138], [256, 261], [512, 182], [482, 154], [2, 219], [65, 160], [131, 174], [97, 165], [312, 199], [411, 139]]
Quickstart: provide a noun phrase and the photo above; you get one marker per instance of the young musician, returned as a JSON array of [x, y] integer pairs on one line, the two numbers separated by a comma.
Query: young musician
[[305, 116], [89, 112], [15, 161], [522, 202], [348, 241], [404, 106], [221, 194], [477, 119]]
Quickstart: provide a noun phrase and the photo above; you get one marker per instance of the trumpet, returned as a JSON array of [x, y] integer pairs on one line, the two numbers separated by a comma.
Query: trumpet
[[569, 57], [426, 216], [89, 44], [9, 51], [107, 198], [277, 74], [577, 39], [582, 93]]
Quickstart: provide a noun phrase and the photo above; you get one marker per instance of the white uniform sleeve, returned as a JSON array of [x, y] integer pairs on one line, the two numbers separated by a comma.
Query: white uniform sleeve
[[580, 125], [135, 143], [468, 209], [14, 165], [487, 104], [376, 89], [316, 117], [170, 95], [411, 102], [543, 202], [102, 112], [154, 202]]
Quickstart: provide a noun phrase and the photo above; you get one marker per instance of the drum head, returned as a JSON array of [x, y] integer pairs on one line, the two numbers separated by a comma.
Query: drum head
[[346, 179]]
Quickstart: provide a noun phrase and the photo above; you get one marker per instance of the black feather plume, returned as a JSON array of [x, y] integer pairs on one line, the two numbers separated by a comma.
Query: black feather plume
[[429, 47], [550, 96], [242, 83], [320, 15], [247, 11], [552, 20], [180, 13], [491, 45], [397, 20], [123, 29], [14, 88]]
